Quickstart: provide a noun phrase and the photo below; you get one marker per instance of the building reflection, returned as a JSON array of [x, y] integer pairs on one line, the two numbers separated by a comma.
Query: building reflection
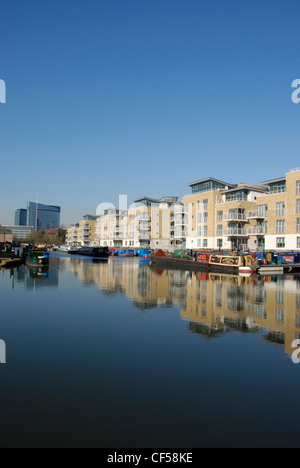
[[212, 304]]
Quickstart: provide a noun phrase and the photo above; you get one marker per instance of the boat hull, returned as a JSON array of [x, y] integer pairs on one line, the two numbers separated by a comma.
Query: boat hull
[[94, 252], [186, 264]]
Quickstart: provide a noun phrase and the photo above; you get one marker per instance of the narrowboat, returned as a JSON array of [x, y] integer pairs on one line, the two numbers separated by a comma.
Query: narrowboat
[[73, 250], [125, 253], [236, 264], [143, 252], [37, 257], [94, 252]]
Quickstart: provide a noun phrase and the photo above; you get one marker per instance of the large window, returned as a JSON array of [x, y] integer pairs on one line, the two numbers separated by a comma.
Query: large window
[[207, 187], [263, 210], [220, 216], [280, 226], [280, 242], [237, 196], [280, 209]]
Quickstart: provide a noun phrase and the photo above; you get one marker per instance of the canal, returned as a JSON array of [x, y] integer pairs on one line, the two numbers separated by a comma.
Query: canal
[[115, 354]]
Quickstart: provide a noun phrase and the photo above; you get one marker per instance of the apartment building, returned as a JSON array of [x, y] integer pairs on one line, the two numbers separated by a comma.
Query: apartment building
[[83, 234], [279, 212], [219, 215], [216, 215], [148, 223], [111, 228]]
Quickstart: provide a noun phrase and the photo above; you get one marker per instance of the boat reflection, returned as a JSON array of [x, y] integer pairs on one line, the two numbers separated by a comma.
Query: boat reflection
[[35, 278], [212, 304]]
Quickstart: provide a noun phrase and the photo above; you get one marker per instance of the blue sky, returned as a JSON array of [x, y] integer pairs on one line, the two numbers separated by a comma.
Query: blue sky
[[141, 97]]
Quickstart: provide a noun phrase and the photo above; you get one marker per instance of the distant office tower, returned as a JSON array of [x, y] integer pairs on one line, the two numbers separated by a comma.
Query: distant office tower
[[20, 217], [43, 216]]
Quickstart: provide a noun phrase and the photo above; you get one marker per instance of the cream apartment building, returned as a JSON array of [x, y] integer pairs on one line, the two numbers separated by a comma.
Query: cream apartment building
[[83, 233], [219, 215], [279, 212], [148, 223]]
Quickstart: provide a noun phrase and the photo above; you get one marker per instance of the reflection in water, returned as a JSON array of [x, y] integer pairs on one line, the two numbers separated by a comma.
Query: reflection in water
[[36, 278], [78, 351], [213, 304]]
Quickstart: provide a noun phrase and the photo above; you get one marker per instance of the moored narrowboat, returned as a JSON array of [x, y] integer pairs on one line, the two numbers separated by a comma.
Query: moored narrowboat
[[236, 264], [94, 252], [37, 257]]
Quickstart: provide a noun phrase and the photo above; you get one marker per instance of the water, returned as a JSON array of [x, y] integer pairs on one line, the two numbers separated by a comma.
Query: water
[[114, 354]]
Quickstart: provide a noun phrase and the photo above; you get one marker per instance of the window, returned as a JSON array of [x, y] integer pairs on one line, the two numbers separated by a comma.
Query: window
[[263, 211], [199, 230], [205, 204], [205, 231], [298, 242], [199, 243], [220, 216], [279, 315], [280, 209], [220, 243], [205, 243], [280, 226], [298, 187], [205, 218], [220, 230], [298, 207], [280, 242], [199, 218], [280, 297]]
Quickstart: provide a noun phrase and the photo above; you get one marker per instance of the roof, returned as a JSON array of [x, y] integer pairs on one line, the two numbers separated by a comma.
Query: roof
[[208, 179], [274, 181], [250, 188], [161, 200]]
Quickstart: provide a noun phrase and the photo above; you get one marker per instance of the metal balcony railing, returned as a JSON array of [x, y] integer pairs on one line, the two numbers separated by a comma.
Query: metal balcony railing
[[257, 231], [235, 217], [255, 214], [235, 232]]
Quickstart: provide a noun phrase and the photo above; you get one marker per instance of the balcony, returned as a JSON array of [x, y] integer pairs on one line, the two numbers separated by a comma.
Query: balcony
[[235, 232], [144, 226], [181, 221], [142, 236], [257, 231], [235, 217], [255, 214], [276, 190], [233, 199]]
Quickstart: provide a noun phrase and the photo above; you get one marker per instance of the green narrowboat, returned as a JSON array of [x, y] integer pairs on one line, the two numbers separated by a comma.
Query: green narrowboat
[[37, 257]]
